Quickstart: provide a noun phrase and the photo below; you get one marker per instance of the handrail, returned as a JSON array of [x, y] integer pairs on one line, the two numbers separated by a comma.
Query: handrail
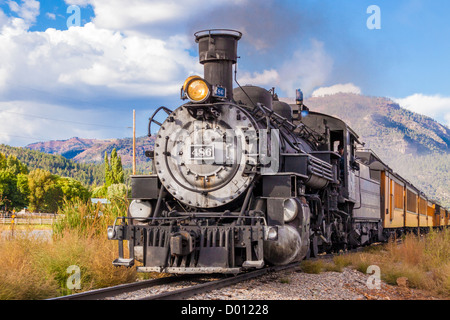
[[167, 110]]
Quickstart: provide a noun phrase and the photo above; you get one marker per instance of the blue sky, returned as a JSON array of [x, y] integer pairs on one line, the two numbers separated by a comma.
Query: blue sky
[[59, 82]]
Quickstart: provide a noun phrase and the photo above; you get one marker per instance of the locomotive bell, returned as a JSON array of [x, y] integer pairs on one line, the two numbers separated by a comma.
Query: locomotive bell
[[218, 53]]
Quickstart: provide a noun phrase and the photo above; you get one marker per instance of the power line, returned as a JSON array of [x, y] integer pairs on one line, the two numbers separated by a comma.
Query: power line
[[62, 120], [23, 137], [70, 99]]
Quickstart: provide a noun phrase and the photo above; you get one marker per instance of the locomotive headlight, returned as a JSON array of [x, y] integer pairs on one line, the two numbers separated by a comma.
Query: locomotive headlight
[[140, 209], [290, 209], [196, 89]]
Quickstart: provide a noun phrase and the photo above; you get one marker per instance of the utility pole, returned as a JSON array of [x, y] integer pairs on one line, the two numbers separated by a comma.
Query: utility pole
[[134, 142]]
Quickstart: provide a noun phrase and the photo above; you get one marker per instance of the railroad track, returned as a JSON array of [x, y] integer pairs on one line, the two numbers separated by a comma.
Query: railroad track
[[190, 289], [217, 284], [103, 293], [177, 294]]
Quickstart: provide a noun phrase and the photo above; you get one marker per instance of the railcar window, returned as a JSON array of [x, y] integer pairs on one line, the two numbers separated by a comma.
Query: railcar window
[[398, 196], [375, 175], [411, 204], [422, 206]]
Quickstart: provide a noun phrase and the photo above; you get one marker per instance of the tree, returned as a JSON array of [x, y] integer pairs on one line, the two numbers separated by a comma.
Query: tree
[[12, 192], [116, 168], [107, 171], [114, 171], [14, 166], [117, 190], [72, 189], [2, 161], [100, 192], [44, 191], [7, 188]]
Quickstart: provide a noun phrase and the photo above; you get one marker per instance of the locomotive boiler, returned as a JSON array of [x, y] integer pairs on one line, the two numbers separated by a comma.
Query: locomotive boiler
[[242, 180]]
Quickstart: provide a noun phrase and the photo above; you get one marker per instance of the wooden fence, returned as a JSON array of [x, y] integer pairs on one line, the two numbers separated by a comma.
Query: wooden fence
[[48, 219]]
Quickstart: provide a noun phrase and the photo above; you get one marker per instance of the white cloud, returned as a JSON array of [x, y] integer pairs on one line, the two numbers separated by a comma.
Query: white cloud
[[135, 15], [343, 88], [267, 77], [90, 58], [447, 119], [50, 15], [98, 58], [306, 69], [28, 10], [434, 106]]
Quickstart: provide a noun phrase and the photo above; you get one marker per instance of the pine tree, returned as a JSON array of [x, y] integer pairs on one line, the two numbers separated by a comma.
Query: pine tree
[[116, 168], [107, 171], [113, 169]]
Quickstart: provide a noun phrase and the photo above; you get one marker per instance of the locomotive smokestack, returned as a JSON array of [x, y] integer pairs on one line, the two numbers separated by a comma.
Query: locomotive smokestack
[[218, 53]]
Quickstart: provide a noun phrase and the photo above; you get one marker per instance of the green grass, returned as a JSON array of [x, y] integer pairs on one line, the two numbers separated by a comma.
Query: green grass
[[318, 266]]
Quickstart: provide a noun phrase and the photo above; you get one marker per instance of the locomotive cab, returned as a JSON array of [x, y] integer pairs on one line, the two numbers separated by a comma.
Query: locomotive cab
[[330, 134]]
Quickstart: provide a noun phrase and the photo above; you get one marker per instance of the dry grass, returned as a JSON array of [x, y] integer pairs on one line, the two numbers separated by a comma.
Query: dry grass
[[37, 267], [425, 261], [20, 277]]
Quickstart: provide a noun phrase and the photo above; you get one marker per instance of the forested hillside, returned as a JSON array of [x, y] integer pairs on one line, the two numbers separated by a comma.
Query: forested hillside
[[89, 174]]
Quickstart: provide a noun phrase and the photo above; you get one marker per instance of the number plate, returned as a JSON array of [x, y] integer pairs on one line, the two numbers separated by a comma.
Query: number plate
[[219, 92], [201, 152]]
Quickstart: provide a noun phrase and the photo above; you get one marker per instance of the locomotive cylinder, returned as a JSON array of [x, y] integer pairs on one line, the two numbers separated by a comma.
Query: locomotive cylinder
[[218, 53]]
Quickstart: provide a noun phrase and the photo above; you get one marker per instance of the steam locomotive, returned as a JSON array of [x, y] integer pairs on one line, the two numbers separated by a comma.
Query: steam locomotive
[[243, 180]]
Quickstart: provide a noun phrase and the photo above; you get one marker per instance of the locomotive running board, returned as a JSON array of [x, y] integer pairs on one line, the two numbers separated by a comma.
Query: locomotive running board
[[189, 270]]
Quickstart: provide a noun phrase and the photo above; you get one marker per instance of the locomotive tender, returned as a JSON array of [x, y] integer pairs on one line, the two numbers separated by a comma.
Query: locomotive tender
[[242, 180]]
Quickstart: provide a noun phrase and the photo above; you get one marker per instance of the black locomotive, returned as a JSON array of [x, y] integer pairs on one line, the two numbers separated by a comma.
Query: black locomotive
[[242, 180]]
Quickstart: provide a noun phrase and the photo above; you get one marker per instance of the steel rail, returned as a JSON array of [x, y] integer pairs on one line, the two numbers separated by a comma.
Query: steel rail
[[217, 284], [123, 288]]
